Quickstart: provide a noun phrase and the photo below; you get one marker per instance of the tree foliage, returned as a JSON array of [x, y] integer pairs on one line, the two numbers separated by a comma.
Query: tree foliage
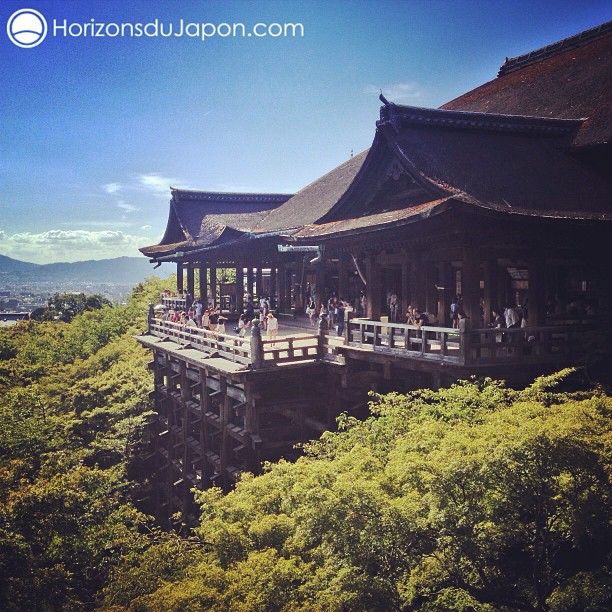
[[475, 497], [74, 405]]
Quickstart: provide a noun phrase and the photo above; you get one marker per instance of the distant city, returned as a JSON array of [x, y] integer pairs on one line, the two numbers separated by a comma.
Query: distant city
[[24, 287]]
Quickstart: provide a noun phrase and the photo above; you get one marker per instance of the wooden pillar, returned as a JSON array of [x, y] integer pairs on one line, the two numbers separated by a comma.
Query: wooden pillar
[[319, 282], [203, 284], [446, 291], [282, 288], [259, 282], [374, 288], [273, 288], [405, 288], [179, 276], [471, 285], [249, 285], [250, 427], [186, 458], [537, 289], [190, 280], [213, 284], [420, 282], [343, 266], [431, 293], [240, 287], [491, 290], [226, 407], [207, 471]]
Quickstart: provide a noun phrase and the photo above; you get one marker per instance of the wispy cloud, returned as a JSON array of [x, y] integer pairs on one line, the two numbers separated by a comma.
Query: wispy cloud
[[146, 227], [129, 208], [111, 187], [397, 92], [157, 184], [153, 183]]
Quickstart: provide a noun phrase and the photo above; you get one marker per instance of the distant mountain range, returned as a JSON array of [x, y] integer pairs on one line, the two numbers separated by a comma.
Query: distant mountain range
[[119, 271]]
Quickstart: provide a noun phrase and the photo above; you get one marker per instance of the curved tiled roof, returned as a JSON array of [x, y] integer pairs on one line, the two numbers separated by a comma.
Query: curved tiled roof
[[312, 202], [570, 80], [201, 218], [512, 163]]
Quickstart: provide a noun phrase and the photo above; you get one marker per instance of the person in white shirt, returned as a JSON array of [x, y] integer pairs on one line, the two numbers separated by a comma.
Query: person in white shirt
[[511, 317], [272, 327]]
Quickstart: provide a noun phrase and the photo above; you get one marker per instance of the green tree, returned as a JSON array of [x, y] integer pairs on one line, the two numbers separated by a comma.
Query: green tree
[[476, 497]]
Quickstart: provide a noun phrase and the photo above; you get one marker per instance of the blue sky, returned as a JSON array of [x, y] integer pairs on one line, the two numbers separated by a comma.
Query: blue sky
[[96, 129]]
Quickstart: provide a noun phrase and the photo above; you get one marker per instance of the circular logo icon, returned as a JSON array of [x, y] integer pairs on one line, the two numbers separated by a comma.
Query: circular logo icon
[[26, 28]]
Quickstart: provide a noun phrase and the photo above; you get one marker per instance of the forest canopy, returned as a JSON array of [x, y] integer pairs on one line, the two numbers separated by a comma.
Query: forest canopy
[[476, 497]]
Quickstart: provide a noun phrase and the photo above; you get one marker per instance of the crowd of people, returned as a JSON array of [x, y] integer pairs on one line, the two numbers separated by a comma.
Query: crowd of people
[[211, 319]]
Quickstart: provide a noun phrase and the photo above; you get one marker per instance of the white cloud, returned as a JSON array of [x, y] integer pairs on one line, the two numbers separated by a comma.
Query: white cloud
[[2, 235], [146, 227], [157, 184], [152, 183], [397, 92], [129, 208], [111, 187], [71, 245]]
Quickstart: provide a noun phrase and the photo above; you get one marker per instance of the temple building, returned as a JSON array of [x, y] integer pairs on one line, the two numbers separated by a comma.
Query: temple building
[[501, 197]]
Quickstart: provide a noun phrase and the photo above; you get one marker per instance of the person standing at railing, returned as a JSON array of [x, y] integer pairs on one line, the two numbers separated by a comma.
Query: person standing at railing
[[497, 323], [264, 310], [206, 319], [340, 313], [220, 325], [311, 311], [410, 315], [243, 324], [420, 318], [191, 322], [511, 317], [272, 328], [213, 319], [198, 309]]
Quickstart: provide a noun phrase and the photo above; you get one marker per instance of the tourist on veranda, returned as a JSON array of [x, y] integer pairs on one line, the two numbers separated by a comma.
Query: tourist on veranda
[[410, 315], [213, 319], [206, 319], [498, 322], [264, 309], [191, 322], [272, 328], [511, 317], [311, 311], [243, 324], [340, 313], [420, 318]]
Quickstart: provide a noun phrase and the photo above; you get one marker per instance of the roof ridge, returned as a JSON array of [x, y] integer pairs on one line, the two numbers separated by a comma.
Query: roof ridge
[[516, 63], [395, 114], [229, 196]]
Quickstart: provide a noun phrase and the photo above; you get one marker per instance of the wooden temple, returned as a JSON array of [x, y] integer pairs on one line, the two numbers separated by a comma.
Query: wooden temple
[[502, 196]]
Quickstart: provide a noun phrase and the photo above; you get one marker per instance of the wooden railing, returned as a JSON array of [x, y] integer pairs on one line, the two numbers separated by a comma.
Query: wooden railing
[[238, 349], [523, 345], [174, 302], [228, 346], [429, 343], [472, 347], [287, 350], [437, 343]]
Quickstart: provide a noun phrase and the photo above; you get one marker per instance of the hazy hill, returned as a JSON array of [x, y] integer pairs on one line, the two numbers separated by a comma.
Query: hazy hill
[[8, 265], [121, 270]]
